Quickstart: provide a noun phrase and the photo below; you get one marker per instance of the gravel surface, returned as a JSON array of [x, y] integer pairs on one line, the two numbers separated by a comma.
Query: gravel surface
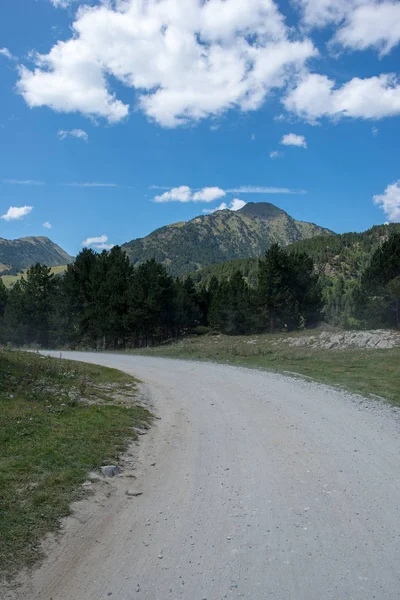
[[252, 485]]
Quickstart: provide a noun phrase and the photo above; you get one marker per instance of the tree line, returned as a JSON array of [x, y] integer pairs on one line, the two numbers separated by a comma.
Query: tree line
[[102, 301]]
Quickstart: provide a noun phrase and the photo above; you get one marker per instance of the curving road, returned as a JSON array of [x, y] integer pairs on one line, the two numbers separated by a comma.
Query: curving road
[[264, 487]]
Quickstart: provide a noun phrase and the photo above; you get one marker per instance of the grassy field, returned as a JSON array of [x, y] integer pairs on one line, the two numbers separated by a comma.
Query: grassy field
[[9, 280], [58, 420], [366, 371]]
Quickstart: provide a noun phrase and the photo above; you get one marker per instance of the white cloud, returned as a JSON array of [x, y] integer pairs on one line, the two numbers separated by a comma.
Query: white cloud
[[47, 225], [253, 189], [320, 13], [16, 212], [182, 193], [317, 96], [389, 201], [253, 137], [23, 182], [62, 3], [234, 205], [208, 194], [375, 131], [361, 24], [291, 139], [103, 246], [76, 133], [186, 59], [237, 204], [99, 243], [5, 52], [275, 154], [375, 25], [185, 194]]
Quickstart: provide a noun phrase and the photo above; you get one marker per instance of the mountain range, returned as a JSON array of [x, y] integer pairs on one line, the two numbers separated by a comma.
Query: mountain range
[[221, 236], [344, 256], [184, 247], [18, 255]]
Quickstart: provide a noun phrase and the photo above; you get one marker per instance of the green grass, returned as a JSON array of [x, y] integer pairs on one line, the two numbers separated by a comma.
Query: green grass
[[9, 280], [58, 420], [365, 371]]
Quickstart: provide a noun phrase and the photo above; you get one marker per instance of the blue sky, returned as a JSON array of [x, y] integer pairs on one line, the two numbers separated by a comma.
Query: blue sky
[[119, 117]]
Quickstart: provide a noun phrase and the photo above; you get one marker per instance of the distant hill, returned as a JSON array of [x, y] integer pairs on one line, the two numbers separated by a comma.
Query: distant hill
[[344, 255], [221, 236], [18, 255]]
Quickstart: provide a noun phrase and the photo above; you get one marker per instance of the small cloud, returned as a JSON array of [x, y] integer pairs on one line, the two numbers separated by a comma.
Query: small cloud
[[5, 52], [184, 193], [103, 246], [375, 131], [23, 182], [389, 201], [237, 204], [90, 184], [47, 225], [76, 133], [16, 212], [234, 205], [61, 3], [276, 154], [254, 189], [280, 117], [99, 243], [208, 194], [291, 139], [253, 137]]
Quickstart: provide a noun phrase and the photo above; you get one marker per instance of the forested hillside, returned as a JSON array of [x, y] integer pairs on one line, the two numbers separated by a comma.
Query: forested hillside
[[339, 260], [345, 254], [102, 301], [18, 255], [222, 236]]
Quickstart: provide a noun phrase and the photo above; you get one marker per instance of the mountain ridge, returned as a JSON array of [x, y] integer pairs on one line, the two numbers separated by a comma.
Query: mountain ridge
[[21, 253], [220, 236]]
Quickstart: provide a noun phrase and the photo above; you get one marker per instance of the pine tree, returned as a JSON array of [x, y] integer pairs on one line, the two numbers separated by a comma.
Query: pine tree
[[29, 312], [379, 285], [152, 297], [289, 293]]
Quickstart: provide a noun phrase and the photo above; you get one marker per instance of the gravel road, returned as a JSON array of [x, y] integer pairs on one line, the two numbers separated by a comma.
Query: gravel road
[[263, 487]]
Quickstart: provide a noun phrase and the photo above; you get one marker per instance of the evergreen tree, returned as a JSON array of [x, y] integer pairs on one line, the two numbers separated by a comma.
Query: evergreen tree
[[187, 305], [289, 293], [3, 298], [152, 296], [380, 298], [109, 284], [29, 312], [78, 298]]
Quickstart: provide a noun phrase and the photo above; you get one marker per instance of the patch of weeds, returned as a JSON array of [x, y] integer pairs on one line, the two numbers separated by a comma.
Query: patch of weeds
[[52, 433]]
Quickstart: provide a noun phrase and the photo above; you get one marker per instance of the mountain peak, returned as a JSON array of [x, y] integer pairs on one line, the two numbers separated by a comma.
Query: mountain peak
[[17, 255], [221, 236], [262, 210]]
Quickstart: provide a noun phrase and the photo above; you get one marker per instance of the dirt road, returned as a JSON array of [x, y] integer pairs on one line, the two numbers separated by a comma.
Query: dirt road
[[263, 487]]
